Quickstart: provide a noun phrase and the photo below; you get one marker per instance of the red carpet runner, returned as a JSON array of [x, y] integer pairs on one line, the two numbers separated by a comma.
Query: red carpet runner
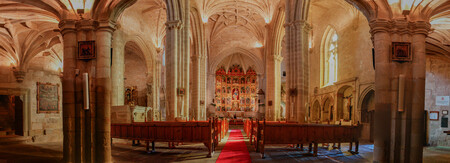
[[235, 149]]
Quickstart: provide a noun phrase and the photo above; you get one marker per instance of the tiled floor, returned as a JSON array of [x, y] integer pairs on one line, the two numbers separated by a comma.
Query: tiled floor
[[124, 152]]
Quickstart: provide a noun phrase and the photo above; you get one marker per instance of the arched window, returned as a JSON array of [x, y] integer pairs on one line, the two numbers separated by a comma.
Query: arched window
[[329, 57]]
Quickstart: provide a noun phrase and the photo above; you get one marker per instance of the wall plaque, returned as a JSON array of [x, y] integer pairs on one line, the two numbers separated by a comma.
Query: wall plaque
[[86, 50], [442, 100], [47, 98], [401, 52], [434, 116]]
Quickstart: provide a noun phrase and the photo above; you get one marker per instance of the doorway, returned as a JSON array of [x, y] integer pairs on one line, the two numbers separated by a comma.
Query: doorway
[[11, 115], [367, 115]]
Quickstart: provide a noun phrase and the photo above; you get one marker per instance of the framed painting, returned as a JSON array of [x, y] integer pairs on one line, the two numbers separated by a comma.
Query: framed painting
[[434, 115], [47, 98], [180, 91], [86, 50], [401, 52]]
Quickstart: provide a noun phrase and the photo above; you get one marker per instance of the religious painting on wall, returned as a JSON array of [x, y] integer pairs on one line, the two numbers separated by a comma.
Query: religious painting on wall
[[401, 51], [131, 95], [86, 50], [47, 98]]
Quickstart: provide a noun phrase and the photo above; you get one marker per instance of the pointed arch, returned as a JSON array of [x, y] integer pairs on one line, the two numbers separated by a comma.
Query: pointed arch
[[329, 57]]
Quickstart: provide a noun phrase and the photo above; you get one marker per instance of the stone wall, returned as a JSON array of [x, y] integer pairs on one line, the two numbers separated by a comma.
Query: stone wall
[[42, 127], [437, 84], [136, 75], [354, 69]]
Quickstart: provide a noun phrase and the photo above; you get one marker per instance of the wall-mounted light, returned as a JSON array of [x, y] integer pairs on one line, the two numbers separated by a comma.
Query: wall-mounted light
[[205, 19], [258, 45]]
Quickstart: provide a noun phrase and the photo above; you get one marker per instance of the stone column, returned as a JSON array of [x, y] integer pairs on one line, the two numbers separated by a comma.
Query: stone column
[[297, 70], [177, 62], [399, 135], [202, 83], [68, 32], [273, 87], [103, 87], [118, 67], [172, 57], [199, 87]]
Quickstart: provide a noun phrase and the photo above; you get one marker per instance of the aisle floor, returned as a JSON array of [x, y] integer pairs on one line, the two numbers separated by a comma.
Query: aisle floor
[[122, 151]]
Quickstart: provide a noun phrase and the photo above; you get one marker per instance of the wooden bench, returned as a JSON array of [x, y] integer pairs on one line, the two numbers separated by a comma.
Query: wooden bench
[[294, 133], [220, 129], [191, 131], [236, 122]]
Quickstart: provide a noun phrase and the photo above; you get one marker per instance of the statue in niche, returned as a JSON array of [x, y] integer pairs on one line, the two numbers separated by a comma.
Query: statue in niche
[[235, 94], [235, 106], [347, 107], [131, 95]]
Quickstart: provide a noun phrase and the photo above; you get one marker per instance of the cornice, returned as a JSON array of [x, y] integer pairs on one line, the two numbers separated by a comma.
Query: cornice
[[399, 26]]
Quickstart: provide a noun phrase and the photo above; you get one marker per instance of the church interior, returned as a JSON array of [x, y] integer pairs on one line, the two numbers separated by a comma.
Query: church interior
[[224, 80]]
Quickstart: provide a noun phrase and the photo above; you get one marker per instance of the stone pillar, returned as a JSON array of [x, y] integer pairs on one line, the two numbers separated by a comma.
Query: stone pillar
[[297, 70], [118, 67], [273, 89], [172, 57], [199, 87], [399, 135], [103, 88], [157, 85], [177, 63], [68, 32]]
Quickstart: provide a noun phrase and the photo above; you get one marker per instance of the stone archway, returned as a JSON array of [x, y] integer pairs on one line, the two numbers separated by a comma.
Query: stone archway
[[367, 115], [315, 112], [327, 110], [136, 74]]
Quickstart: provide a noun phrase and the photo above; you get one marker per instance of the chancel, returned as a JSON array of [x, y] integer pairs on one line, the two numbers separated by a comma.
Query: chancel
[[224, 81]]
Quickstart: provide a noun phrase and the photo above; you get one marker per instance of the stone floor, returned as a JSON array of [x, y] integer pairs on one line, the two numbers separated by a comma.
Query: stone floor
[[122, 151]]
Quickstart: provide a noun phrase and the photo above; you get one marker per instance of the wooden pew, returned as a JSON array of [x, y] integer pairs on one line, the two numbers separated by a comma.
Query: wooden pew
[[197, 132], [236, 122], [220, 129], [294, 133]]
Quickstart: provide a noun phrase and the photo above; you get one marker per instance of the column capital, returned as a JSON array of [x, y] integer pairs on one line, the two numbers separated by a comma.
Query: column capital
[[67, 26], [108, 25], [86, 24], [278, 58], [400, 26], [171, 24], [299, 24]]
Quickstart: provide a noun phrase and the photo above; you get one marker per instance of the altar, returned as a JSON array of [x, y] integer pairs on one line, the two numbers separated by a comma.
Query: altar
[[235, 94]]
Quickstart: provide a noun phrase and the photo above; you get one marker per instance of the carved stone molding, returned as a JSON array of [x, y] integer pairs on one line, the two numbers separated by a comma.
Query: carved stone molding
[[399, 26], [108, 25], [67, 26], [277, 58], [20, 75], [173, 24], [299, 24]]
